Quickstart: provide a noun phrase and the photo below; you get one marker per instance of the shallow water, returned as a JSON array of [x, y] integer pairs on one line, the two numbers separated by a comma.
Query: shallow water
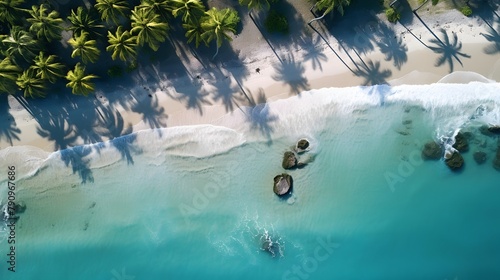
[[197, 202]]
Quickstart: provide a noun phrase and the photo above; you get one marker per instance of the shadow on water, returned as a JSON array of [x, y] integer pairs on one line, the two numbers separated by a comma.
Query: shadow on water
[[8, 126], [291, 73], [448, 48], [260, 118], [78, 158]]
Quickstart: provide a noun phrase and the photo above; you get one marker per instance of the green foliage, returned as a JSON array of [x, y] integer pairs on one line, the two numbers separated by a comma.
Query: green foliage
[[328, 5], [194, 32], [256, 4], [20, 45], [435, 2], [84, 21], [31, 85], [122, 45], [392, 15], [85, 48], [163, 8], [47, 67], [276, 22], [466, 10], [112, 10], [8, 76], [10, 11], [148, 28], [44, 23], [79, 81], [218, 23], [191, 10]]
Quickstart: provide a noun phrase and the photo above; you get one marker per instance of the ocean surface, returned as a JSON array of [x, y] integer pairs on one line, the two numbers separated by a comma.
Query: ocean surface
[[197, 202]]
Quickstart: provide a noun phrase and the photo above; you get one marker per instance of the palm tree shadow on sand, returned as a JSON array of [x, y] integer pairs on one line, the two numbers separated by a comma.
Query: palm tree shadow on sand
[[372, 73], [291, 72], [493, 36], [113, 127], [392, 45], [8, 126], [313, 53], [152, 113], [449, 49]]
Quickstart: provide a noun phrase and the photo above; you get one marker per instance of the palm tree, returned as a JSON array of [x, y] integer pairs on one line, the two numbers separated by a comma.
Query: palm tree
[[85, 48], [10, 11], [31, 85], [122, 45], [194, 32], [148, 28], [45, 24], [191, 10], [216, 25], [8, 75], [160, 7], [327, 6], [256, 4], [112, 10], [20, 44], [84, 21], [79, 81], [47, 67]]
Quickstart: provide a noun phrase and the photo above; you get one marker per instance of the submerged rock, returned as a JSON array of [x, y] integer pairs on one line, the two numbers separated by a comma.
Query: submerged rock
[[289, 160], [302, 145], [282, 184], [461, 143], [432, 151], [455, 161], [490, 130], [480, 157], [496, 161]]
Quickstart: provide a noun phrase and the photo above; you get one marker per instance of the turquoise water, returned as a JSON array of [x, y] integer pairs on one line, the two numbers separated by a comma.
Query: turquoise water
[[191, 207]]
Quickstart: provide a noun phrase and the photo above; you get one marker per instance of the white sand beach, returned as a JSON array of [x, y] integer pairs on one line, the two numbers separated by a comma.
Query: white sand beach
[[183, 90]]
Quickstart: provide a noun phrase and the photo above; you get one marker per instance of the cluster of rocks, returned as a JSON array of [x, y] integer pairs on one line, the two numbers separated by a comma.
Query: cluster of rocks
[[283, 183], [454, 160]]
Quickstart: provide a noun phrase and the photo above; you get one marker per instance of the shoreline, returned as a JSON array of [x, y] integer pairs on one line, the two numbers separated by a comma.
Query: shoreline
[[276, 81]]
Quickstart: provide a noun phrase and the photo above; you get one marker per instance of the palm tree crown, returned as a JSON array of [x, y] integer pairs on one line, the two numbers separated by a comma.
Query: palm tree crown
[[85, 48], [122, 45], [45, 23], [10, 11], [47, 67], [160, 7], [217, 24], [79, 81], [191, 10], [8, 76], [148, 28], [112, 10], [20, 44], [84, 21], [31, 85]]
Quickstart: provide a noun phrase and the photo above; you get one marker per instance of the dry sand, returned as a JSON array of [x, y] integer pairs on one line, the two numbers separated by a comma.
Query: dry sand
[[182, 90]]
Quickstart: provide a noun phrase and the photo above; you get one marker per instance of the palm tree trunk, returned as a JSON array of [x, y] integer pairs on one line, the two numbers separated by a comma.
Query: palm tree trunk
[[216, 52], [421, 5], [316, 18]]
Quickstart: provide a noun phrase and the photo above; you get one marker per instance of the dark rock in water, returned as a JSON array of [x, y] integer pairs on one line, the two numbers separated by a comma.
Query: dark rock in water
[[496, 160], [301, 164], [490, 130], [461, 143], [302, 144], [455, 162], [480, 157], [289, 160], [282, 184], [270, 246], [19, 207], [432, 151]]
